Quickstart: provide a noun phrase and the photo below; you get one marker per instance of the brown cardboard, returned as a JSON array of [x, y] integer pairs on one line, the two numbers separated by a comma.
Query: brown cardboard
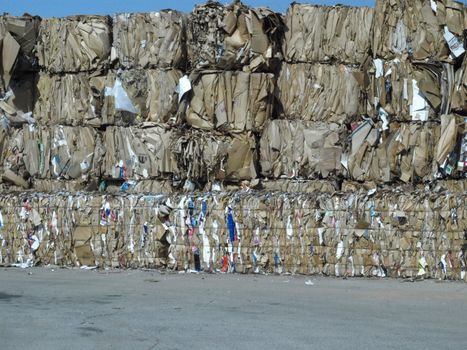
[[327, 34], [74, 44], [319, 92], [230, 101], [233, 36], [294, 148], [150, 40]]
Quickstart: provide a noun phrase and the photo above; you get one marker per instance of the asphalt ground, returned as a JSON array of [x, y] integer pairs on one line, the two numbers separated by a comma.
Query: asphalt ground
[[45, 308]]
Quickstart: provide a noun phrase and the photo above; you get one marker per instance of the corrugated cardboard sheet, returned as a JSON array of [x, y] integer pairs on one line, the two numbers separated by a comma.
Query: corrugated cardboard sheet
[[74, 44], [149, 40], [327, 33], [233, 36]]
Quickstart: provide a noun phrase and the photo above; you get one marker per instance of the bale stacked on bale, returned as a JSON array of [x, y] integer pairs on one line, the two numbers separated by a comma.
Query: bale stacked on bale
[[301, 149], [322, 143], [320, 92], [231, 100]]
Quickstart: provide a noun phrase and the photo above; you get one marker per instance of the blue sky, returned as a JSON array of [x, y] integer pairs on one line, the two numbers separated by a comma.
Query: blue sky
[[60, 8]]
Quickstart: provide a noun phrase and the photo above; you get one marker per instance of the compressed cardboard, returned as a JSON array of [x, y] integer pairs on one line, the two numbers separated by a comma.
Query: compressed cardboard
[[51, 153], [403, 152], [74, 44], [233, 36], [382, 233], [204, 156], [18, 36], [152, 93], [409, 92], [230, 101], [327, 34], [295, 148], [150, 40], [418, 28], [82, 99], [320, 92], [132, 153], [228, 140]]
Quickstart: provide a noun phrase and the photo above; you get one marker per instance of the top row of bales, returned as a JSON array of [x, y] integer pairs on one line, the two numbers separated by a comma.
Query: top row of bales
[[214, 36]]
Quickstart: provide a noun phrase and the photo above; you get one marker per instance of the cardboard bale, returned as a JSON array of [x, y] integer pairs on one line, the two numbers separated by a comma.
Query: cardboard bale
[[327, 34], [18, 103], [152, 95], [423, 29], [295, 148], [150, 40], [18, 37], [69, 99], [230, 101], [403, 152], [233, 37], [204, 156], [400, 90], [320, 92], [137, 153], [383, 233], [82, 99], [51, 153], [74, 44]]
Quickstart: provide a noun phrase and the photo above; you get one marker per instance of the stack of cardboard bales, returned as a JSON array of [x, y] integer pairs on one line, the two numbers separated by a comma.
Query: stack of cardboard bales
[[416, 89], [320, 90], [329, 140]]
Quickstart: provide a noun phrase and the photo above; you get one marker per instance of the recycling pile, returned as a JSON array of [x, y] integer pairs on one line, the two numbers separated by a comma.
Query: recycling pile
[[327, 140]]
